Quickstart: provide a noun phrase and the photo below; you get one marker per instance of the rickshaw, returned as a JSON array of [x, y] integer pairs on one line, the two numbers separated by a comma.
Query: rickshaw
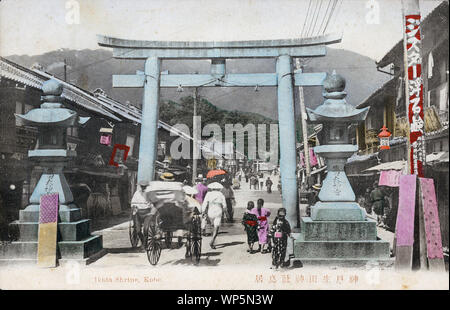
[[169, 211]]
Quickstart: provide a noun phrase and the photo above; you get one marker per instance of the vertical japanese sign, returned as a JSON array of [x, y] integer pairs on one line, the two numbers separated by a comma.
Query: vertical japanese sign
[[415, 93]]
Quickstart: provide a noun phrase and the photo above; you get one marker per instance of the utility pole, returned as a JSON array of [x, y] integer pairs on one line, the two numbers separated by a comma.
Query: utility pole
[[304, 125], [195, 151], [412, 57], [65, 70], [405, 85]]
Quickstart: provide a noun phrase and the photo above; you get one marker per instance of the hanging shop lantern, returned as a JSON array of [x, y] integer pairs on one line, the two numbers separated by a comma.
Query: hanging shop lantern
[[106, 136], [384, 136]]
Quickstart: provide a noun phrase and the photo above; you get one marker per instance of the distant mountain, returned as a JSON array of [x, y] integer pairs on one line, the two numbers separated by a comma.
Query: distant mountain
[[91, 69]]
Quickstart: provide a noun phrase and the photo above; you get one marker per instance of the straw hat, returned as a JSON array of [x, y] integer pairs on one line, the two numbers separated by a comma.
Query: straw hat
[[215, 185], [167, 176], [190, 190]]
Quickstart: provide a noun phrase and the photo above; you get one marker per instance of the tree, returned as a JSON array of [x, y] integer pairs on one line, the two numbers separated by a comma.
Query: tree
[[181, 112]]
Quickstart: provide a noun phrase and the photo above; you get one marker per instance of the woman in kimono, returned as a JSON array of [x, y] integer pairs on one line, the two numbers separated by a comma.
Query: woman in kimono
[[263, 224], [250, 222], [213, 206], [279, 233]]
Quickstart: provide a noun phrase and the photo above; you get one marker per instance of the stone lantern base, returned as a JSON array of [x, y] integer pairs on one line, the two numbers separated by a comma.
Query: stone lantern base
[[337, 211], [75, 241], [344, 240], [73, 236]]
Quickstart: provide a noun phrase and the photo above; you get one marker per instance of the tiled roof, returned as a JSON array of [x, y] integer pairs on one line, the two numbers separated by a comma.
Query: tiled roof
[[97, 101], [35, 78], [383, 90]]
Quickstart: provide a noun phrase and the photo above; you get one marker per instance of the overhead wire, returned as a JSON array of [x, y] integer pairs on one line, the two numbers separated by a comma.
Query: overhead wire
[[324, 16], [330, 16], [316, 18], [306, 19], [312, 18], [338, 8]]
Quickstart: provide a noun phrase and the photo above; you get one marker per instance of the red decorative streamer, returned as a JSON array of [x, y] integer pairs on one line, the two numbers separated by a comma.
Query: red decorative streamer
[[123, 147]]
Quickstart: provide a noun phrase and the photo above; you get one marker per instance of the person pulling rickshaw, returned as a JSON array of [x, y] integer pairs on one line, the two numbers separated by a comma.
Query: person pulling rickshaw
[[141, 206]]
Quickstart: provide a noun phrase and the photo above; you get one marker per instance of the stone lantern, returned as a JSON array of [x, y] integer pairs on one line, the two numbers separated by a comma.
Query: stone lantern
[[338, 227], [52, 121], [336, 115]]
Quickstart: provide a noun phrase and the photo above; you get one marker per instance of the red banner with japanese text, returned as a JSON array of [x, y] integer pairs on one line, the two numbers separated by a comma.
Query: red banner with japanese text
[[415, 91]]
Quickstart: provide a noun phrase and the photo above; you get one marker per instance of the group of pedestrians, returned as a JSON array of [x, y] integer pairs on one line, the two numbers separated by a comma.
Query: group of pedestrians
[[257, 182], [216, 201], [272, 238]]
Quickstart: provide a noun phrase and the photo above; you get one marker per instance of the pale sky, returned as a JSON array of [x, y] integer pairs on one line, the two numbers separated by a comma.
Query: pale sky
[[35, 27]]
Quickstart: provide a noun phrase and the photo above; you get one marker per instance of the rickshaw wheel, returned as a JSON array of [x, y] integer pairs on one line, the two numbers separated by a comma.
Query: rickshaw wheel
[[196, 239], [168, 239], [153, 242], [196, 249], [188, 247], [132, 232]]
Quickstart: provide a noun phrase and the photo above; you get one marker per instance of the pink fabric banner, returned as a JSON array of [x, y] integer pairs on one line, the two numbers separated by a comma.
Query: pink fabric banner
[[313, 161], [431, 218], [312, 158], [406, 205], [49, 208], [302, 160], [389, 178]]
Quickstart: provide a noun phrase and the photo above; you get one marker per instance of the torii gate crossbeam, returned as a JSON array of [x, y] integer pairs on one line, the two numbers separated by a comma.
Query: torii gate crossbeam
[[284, 79]]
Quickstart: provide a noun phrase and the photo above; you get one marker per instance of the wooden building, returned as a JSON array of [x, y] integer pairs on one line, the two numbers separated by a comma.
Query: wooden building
[[99, 188], [388, 107]]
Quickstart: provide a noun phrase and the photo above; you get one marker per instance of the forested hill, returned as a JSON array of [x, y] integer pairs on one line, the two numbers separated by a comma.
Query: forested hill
[[91, 69], [181, 112]]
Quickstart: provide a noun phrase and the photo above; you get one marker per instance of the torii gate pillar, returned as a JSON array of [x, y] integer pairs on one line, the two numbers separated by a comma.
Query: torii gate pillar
[[149, 123], [286, 126]]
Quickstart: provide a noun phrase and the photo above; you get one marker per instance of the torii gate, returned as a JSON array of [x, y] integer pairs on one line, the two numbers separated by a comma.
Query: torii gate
[[284, 78]]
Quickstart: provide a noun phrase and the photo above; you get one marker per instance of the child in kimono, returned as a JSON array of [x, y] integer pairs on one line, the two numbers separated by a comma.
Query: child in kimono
[[279, 233], [263, 224], [250, 222]]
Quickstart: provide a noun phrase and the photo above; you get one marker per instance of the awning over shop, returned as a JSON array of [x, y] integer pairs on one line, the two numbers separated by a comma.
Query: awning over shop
[[393, 165], [102, 172], [318, 170], [362, 175], [437, 157], [361, 158], [177, 172], [314, 171]]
